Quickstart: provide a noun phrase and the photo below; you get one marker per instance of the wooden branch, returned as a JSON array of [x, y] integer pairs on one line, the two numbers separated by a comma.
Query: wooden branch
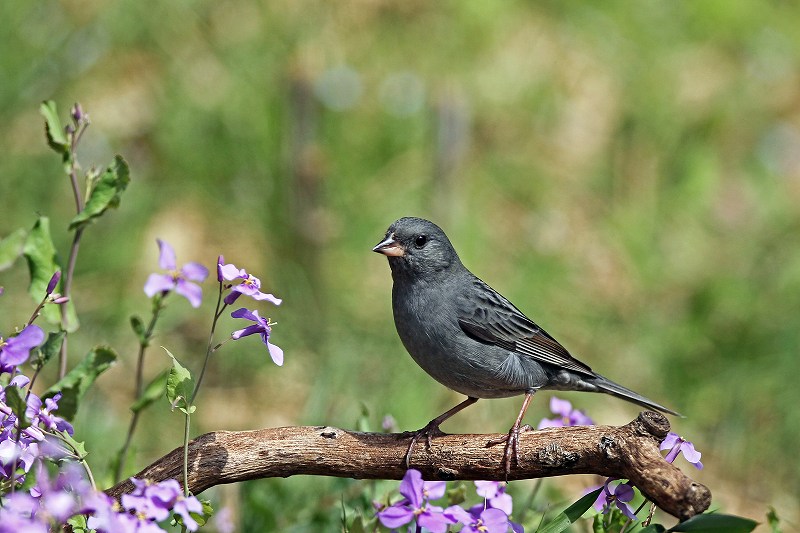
[[629, 452]]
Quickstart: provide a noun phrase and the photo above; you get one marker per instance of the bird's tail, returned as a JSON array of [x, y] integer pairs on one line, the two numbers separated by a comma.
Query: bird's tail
[[614, 389]]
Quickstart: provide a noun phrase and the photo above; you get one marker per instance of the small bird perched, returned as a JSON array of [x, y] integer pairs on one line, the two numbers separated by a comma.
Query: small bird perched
[[470, 338]]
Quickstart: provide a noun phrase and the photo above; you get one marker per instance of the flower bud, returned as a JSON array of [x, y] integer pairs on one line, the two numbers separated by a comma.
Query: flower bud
[[51, 286]]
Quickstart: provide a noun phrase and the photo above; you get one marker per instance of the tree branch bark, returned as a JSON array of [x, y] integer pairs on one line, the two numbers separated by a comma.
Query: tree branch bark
[[629, 452]]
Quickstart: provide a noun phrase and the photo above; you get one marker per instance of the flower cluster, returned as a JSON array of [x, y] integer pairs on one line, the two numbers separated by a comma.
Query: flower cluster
[[488, 517], [567, 416], [239, 282]]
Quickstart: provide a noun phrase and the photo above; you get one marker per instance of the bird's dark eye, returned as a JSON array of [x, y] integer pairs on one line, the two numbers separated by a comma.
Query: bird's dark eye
[[420, 241]]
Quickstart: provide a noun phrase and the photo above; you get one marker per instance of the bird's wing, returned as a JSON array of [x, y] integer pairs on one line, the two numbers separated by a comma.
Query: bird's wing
[[487, 316]]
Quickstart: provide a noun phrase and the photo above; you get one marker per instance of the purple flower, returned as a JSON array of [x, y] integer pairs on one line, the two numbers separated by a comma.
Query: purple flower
[[567, 415], [677, 445], [495, 494], [156, 501], [479, 519], [416, 492], [261, 326], [42, 414], [619, 496], [16, 350], [223, 520], [178, 280], [245, 283]]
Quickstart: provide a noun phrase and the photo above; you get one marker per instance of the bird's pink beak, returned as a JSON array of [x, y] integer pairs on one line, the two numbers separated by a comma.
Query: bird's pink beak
[[389, 247]]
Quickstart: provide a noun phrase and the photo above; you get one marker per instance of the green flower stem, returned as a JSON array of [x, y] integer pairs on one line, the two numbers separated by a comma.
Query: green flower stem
[[210, 348], [76, 241], [186, 453], [158, 306]]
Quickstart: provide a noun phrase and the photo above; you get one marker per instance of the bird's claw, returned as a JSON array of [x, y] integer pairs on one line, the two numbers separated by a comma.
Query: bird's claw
[[429, 431], [511, 451]]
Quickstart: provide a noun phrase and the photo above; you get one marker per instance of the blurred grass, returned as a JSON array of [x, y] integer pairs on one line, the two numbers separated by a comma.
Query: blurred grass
[[627, 173]]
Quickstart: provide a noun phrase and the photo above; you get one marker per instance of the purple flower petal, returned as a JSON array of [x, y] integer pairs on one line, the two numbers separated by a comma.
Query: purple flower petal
[[249, 330], [264, 296], [433, 490], [434, 519], [275, 352], [494, 521], [411, 487], [395, 516], [691, 455], [194, 272], [190, 291], [230, 272], [560, 407], [16, 350], [487, 489], [504, 502], [624, 492], [458, 515], [669, 441], [551, 423], [158, 283], [166, 256], [245, 313]]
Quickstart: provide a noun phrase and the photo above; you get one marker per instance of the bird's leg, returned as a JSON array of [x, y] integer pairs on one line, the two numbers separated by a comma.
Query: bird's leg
[[433, 427], [512, 439]]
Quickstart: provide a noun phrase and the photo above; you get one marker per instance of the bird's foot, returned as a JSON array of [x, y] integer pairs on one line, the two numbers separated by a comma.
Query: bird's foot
[[429, 431], [511, 452]]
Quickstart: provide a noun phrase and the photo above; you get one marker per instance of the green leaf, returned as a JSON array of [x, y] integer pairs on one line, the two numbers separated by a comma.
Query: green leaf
[[78, 523], [15, 399], [653, 528], [11, 248], [56, 137], [74, 385], [715, 523], [106, 192], [51, 347], [78, 447], [40, 253], [139, 330], [180, 386], [152, 392], [571, 514]]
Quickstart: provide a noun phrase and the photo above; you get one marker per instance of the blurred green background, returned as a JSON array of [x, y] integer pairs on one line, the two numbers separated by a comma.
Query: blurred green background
[[628, 173]]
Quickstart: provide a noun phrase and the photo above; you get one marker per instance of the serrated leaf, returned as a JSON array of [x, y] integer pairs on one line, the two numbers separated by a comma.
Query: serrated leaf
[[15, 399], [180, 386], [138, 328], [74, 385], [571, 514], [56, 137], [716, 523], [152, 392], [51, 346], [106, 192], [11, 248], [40, 253]]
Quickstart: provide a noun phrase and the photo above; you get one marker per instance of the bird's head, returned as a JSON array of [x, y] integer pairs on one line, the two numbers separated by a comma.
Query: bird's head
[[417, 246]]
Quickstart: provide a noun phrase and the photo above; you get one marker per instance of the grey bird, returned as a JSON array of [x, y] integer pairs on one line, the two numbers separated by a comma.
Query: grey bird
[[470, 338]]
